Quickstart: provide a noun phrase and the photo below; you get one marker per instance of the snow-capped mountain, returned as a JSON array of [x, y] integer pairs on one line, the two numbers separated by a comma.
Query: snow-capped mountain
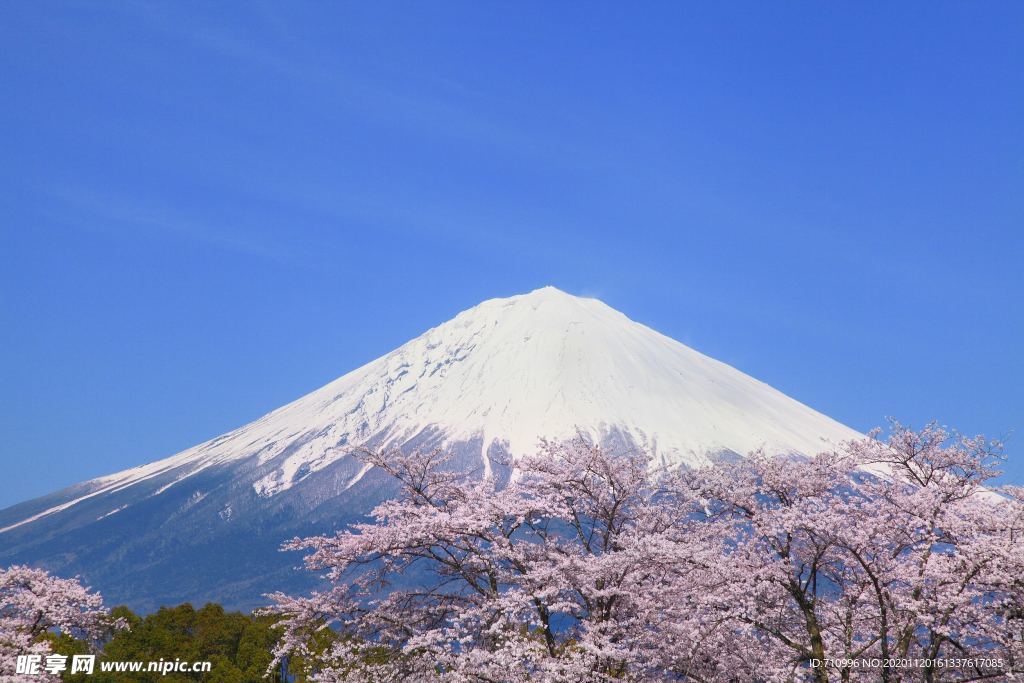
[[205, 523]]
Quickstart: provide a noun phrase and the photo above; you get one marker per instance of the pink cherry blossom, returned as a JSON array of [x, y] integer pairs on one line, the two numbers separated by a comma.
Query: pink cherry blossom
[[594, 566], [33, 602]]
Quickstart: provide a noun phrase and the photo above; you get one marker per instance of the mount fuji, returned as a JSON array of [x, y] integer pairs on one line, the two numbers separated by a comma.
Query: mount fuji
[[206, 524]]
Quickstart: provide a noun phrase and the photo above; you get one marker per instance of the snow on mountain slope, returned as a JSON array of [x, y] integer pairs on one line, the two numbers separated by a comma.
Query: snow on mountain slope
[[505, 373]]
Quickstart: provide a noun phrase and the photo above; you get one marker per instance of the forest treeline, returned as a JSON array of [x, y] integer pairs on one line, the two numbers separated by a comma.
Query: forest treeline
[[239, 646]]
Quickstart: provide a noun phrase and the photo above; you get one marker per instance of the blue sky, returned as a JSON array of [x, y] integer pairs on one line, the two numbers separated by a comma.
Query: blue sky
[[209, 209]]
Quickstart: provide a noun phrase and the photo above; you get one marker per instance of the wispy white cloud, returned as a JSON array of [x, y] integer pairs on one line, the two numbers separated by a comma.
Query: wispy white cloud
[[431, 103], [85, 208]]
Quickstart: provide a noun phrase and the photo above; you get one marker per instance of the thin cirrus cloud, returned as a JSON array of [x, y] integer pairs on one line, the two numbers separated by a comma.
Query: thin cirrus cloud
[[440, 105], [112, 214]]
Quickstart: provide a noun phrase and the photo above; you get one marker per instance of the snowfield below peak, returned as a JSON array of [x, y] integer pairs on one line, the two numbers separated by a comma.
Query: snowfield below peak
[[547, 364]]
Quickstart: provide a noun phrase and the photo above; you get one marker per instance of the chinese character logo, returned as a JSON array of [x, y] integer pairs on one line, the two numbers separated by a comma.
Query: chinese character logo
[[83, 664], [28, 664]]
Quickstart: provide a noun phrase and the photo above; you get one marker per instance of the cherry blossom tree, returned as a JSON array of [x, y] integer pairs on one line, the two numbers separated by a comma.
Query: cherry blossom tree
[[894, 558], [535, 580], [891, 554], [34, 603]]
